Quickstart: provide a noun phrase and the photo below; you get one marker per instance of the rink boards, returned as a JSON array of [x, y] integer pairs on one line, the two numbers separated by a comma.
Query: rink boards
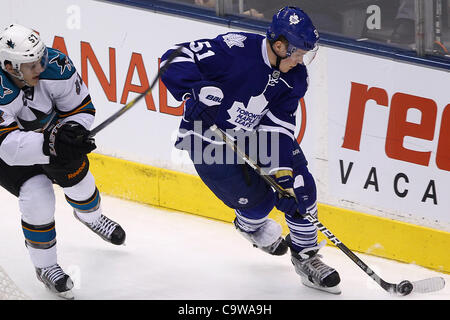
[[187, 193]]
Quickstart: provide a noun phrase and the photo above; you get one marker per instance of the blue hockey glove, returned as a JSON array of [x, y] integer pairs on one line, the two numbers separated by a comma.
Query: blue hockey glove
[[304, 188], [286, 204], [205, 94]]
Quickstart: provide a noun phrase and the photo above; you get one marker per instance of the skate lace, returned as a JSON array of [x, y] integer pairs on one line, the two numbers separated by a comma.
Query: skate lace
[[317, 268], [53, 273], [104, 226]]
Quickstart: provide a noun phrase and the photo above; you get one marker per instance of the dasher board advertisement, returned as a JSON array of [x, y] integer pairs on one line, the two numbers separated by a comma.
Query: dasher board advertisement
[[389, 135]]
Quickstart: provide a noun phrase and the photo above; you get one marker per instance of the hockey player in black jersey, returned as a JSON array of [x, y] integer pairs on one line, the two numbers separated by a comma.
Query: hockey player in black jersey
[[45, 115], [251, 84]]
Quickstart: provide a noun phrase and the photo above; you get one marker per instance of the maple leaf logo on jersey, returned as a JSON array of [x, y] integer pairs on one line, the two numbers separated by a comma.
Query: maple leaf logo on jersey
[[4, 90], [294, 19], [62, 62], [247, 117], [234, 39]]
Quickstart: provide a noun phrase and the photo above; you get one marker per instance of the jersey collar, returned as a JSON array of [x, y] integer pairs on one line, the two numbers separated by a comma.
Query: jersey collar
[[264, 52]]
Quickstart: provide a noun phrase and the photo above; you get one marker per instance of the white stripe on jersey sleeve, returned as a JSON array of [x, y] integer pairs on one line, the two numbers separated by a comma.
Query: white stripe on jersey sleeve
[[277, 129], [180, 59], [280, 122], [86, 120], [187, 52], [191, 132]]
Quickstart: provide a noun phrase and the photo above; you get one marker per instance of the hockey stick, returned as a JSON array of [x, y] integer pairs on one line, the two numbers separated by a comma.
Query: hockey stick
[[403, 288], [128, 106]]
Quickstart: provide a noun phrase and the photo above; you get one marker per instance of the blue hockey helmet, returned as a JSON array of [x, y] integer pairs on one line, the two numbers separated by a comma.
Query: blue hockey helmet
[[295, 25]]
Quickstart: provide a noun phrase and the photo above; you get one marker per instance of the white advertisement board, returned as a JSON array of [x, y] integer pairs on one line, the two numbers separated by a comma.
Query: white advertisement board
[[389, 135]]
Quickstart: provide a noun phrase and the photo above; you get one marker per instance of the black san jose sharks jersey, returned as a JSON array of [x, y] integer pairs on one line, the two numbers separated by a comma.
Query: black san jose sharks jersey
[[60, 94], [256, 96]]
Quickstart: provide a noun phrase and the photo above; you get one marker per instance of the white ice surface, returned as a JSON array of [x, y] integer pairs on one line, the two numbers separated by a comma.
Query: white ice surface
[[175, 256]]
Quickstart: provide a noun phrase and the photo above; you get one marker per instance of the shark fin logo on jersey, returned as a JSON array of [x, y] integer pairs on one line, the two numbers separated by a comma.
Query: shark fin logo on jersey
[[37, 119], [294, 19], [234, 39], [4, 91], [62, 62]]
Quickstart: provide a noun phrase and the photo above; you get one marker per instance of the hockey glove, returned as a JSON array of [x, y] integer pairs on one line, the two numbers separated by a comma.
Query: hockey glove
[[304, 188], [286, 204], [67, 141], [205, 94]]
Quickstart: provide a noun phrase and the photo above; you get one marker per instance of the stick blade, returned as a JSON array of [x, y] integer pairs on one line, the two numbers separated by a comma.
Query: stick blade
[[428, 285]]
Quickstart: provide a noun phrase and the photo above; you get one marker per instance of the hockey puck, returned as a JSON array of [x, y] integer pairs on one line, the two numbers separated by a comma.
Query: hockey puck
[[404, 288]]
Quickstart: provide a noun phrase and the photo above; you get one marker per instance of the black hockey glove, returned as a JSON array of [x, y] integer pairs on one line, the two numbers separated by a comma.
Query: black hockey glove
[[67, 141], [205, 94]]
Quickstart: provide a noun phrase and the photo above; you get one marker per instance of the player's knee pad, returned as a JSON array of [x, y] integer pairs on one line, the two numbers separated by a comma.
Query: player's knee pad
[[250, 219], [85, 199], [83, 190], [261, 210], [37, 200]]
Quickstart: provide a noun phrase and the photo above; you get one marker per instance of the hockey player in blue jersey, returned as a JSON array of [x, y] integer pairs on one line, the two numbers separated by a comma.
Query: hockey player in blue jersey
[[45, 115], [247, 83]]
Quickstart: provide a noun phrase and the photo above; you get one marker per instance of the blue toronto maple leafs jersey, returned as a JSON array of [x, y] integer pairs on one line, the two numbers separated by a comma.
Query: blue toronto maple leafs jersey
[[256, 96]]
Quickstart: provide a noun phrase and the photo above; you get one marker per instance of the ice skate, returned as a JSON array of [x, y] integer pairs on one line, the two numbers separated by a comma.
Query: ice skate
[[267, 238], [313, 272], [56, 281], [106, 228]]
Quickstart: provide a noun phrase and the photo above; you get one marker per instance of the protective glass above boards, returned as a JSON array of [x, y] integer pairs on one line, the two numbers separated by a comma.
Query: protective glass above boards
[[388, 22]]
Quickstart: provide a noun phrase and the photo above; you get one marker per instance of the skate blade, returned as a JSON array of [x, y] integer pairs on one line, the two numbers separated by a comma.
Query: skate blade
[[68, 295], [333, 290]]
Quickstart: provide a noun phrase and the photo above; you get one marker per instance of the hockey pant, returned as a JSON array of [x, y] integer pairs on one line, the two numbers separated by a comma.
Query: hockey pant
[[242, 189]]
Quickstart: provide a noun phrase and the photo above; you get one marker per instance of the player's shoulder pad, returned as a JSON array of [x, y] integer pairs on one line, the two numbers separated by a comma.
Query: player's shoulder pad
[[240, 43], [8, 90], [59, 67]]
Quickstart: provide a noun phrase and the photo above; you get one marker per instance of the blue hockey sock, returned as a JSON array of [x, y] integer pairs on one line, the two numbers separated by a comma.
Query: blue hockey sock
[[303, 233]]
